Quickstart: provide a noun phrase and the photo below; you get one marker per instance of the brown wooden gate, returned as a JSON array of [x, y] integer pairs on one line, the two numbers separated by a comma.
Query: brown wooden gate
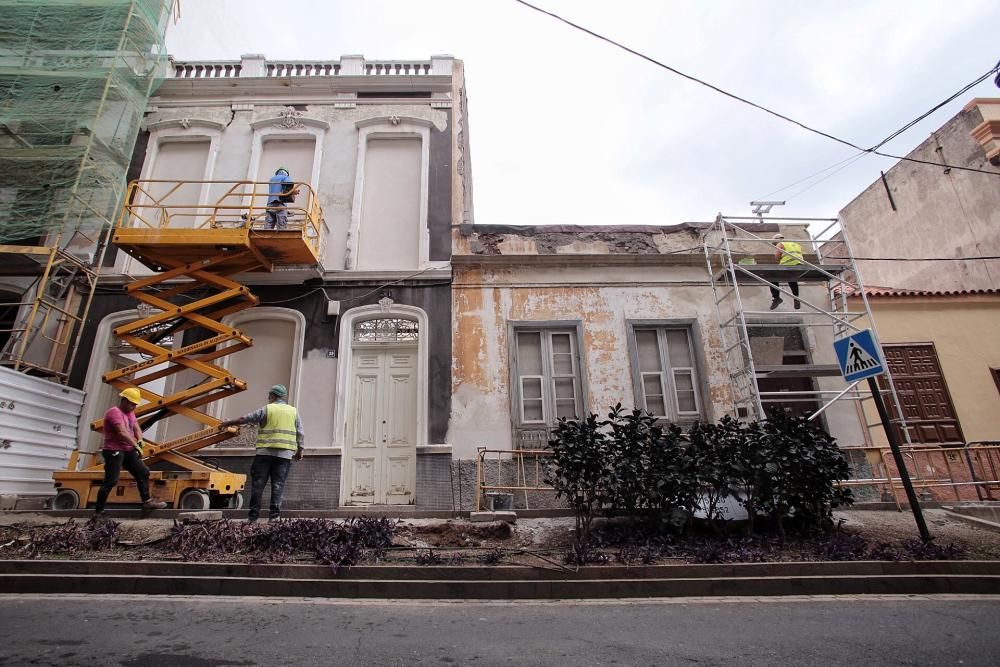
[[923, 393]]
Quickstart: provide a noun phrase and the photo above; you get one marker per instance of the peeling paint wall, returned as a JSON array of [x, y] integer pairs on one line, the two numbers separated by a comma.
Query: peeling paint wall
[[602, 277], [483, 305]]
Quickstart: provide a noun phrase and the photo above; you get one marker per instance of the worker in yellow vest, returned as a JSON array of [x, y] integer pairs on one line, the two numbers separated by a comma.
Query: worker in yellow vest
[[788, 253], [280, 438]]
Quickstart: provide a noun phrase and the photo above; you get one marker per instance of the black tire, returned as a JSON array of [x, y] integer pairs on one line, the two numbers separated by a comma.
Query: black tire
[[66, 499]]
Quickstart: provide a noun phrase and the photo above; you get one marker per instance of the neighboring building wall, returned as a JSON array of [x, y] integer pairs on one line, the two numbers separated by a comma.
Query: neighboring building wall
[[963, 331], [947, 213], [600, 283]]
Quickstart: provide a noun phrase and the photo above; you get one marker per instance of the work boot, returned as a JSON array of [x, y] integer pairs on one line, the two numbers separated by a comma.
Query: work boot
[[798, 304], [775, 303], [153, 504]]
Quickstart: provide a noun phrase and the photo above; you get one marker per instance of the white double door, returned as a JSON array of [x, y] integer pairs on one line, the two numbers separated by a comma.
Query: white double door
[[381, 451]]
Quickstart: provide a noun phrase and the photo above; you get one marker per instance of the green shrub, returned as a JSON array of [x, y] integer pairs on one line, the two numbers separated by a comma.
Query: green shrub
[[579, 468], [631, 465]]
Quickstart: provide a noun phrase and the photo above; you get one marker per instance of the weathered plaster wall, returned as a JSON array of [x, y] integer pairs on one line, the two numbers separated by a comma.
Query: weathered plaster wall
[[484, 302], [940, 213], [318, 379], [602, 277], [338, 169], [963, 330]]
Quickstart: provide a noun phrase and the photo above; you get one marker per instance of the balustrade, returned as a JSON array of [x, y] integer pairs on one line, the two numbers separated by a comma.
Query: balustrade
[[274, 69]]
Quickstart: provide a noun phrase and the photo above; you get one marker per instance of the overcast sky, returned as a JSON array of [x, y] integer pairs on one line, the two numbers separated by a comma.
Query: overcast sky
[[568, 129]]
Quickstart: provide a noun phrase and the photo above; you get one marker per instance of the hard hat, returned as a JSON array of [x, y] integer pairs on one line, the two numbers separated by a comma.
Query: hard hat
[[279, 391], [131, 395], [281, 169], [777, 236]]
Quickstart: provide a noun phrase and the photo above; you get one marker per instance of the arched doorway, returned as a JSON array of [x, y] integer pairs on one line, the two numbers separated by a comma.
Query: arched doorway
[[383, 402]]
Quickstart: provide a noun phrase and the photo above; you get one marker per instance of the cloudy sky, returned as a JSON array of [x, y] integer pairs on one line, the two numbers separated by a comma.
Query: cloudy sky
[[568, 129]]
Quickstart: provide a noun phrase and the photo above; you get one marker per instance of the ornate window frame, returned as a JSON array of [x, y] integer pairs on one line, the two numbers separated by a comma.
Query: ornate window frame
[[94, 381], [390, 127], [176, 131], [289, 124], [258, 313]]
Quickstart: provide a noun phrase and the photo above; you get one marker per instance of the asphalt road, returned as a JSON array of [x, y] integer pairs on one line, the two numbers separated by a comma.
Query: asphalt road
[[202, 632]]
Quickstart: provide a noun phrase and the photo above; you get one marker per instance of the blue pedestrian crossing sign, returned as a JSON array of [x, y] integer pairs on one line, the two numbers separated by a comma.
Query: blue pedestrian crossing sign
[[858, 356]]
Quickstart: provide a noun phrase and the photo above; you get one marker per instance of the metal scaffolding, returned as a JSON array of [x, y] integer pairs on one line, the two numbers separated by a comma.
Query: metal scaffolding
[[740, 258], [75, 78]]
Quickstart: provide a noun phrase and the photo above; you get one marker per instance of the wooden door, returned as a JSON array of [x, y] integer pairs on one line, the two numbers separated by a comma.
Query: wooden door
[[923, 394], [381, 441]]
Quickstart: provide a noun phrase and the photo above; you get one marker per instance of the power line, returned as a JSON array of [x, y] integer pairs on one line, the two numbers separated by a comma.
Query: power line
[[833, 173], [759, 107], [352, 299], [811, 176], [915, 259], [951, 98], [889, 138]]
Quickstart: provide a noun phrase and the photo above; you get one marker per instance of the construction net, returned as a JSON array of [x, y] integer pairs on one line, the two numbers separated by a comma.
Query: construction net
[[75, 78]]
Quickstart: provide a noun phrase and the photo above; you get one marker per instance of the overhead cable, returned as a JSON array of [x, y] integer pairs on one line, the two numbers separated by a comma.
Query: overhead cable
[[856, 156], [759, 107]]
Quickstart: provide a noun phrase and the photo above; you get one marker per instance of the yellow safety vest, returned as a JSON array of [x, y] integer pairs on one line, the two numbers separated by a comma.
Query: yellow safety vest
[[792, 254], [278, 432]]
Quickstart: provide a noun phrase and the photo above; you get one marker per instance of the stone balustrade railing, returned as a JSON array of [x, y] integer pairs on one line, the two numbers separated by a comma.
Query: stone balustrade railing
[[255, 65]]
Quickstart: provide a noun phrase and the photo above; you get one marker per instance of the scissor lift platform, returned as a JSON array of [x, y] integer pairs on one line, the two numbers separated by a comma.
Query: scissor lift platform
[[252, 249], [194, 255]]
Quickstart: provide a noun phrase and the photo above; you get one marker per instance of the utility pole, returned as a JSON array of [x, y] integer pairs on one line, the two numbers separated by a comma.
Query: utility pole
[[897, 456], [859, 357]]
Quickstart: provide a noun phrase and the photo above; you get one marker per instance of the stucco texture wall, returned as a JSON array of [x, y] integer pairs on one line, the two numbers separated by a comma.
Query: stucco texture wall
[[481, 409], [940, 213], [964, 331]]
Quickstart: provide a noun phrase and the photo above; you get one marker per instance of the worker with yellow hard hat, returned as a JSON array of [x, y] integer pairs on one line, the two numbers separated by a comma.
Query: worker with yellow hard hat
[[122, 449]]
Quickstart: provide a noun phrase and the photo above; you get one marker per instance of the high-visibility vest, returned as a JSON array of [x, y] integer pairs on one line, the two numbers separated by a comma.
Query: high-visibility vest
[[278, 432], [792, 254]]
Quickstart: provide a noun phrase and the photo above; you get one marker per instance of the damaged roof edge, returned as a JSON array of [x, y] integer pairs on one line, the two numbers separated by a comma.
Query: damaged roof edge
[[534, 230]]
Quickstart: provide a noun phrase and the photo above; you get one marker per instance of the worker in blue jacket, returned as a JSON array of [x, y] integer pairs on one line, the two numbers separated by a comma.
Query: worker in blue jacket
[[281, 190]]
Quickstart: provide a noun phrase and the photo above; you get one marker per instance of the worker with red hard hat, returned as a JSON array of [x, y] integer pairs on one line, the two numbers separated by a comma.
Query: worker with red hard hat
[[123, 449]]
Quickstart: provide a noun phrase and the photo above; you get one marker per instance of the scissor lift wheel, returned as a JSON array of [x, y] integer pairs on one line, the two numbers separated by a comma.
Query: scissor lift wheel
[[194, 499], [66, 499]]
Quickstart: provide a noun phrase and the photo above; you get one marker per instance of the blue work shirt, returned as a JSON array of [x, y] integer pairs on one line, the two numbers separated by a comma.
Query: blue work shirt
[[278, 185]]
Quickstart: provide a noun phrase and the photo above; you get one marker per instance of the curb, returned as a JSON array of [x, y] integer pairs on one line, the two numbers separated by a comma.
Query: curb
[[976, 521], [499, 583]]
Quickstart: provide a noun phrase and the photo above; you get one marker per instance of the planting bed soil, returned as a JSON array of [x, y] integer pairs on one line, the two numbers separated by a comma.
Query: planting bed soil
[[548, 543]]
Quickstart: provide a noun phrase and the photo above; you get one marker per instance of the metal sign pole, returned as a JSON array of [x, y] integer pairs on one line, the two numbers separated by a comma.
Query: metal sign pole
[[897, 455]]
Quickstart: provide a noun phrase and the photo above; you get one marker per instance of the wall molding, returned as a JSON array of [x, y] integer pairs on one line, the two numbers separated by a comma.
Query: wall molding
[[389, 127], [345, 363]]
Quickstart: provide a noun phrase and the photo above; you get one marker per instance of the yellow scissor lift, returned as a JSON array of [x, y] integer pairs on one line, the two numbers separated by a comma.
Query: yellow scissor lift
[[194, 250]]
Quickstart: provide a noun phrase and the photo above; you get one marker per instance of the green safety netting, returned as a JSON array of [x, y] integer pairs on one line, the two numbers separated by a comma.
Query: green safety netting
[[75, 78]]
